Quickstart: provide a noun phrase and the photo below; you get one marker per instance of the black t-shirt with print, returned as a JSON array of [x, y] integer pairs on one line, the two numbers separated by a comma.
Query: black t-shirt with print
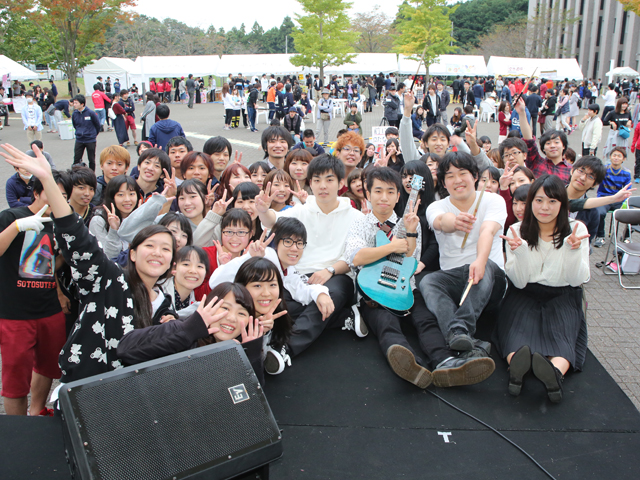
[[27, 284]]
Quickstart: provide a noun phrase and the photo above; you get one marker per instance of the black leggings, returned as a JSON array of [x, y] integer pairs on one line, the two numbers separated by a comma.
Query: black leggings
[[228, 115]]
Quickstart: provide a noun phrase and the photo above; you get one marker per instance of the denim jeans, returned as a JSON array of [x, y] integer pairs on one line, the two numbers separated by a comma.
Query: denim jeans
[[442, 291], [252, 117], [603, 215], [102, 115]]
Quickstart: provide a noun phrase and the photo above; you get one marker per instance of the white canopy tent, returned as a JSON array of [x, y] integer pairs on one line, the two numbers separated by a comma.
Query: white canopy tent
[[120, 68], [445, 65], [365, 64], [15, 70], [172, 67], [251, 65], [622, 72], [551, 68]]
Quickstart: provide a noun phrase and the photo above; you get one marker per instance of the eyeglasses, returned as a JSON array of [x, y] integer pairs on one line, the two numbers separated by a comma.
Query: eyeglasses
[[347, 149], [583, 172], [231, 233], [288, 242], [512, 154]]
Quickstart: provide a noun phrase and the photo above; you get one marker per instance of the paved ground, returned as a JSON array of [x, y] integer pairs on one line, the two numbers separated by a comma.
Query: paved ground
[[613, 314]]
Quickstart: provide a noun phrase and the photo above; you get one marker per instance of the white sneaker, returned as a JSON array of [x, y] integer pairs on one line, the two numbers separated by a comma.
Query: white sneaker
[[358, 323], [275, 361]]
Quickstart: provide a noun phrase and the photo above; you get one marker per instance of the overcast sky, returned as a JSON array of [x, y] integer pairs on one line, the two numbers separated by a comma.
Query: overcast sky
[[229, 14]]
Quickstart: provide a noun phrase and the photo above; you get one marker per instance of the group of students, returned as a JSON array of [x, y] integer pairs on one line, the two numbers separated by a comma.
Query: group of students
[[191, 248]]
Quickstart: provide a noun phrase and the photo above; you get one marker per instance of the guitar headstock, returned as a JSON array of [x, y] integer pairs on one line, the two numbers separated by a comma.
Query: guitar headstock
[[417, 183]]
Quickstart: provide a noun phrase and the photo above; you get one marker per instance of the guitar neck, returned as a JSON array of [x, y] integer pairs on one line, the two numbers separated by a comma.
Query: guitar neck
[[402, 231]]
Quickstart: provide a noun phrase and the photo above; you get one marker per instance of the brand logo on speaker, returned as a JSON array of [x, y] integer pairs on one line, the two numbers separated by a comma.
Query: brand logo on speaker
[[238, 393]]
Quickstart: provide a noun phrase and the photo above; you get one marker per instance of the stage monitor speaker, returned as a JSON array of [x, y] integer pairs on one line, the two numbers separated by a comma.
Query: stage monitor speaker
[[199, 414]]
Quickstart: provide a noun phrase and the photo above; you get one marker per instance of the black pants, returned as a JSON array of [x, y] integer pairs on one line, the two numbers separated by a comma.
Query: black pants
[[228, 115], [78, 152], [456, 94], [308, 324], [585, 151], [636, 173], [6, 118], [534, 124], [394, 123]]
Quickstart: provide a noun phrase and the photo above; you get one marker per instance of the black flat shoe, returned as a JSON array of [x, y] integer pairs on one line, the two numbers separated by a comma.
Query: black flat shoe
[[518, 368], [547, 373]]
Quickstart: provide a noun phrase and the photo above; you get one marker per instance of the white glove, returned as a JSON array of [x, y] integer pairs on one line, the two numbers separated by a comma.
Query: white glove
[[35, 222]]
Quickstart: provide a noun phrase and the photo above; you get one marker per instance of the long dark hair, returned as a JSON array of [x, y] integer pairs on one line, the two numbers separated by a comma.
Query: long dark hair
[[365, 158], [242, 296], [249, 191], [258, 269], [530, 229], [113, 187], [194, 185], [427, 194], [142, 313]]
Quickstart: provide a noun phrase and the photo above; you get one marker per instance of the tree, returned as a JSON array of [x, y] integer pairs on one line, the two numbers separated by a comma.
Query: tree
[[504, 41], [325, 35], [76, 25], [632, 6], [24, 43], [375, 31], [425, 29]]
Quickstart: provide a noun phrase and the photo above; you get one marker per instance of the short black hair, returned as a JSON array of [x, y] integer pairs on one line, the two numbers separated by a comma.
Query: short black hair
[[217, 145], [515, 133], [165, 162], [273, 133], [512, 142], [594, 106], [436, 128], [38, 144], [520, 193], [163, 111], [235, 217], [82, 176], [391, 131], [178, 141], [288, 227], [551, 135], [308, 133], [253, 168], [61, 178], [594, 164], [385, 175], [326, 163], [185, 224], [484, 139], [248, 191], [461, 160], [80, 99]]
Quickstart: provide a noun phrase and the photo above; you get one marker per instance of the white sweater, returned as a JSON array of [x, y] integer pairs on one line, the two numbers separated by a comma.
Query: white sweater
[[562, 266]]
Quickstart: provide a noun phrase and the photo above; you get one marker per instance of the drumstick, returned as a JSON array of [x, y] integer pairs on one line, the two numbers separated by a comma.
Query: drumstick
[[475, 211], [524, 89], [419, 65], [466, 291]]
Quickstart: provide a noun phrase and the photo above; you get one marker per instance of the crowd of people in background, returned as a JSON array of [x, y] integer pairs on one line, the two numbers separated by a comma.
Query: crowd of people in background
[[171, 248]]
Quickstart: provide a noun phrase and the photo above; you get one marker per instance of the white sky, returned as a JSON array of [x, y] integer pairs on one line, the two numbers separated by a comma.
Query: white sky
[[228, 14]]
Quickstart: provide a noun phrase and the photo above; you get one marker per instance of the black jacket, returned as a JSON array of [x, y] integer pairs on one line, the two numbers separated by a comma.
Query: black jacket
[[431, 110], [293, 124], [550, 106]]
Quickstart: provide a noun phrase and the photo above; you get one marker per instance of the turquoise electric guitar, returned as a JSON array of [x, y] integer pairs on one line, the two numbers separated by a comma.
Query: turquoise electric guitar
[[387, 281]]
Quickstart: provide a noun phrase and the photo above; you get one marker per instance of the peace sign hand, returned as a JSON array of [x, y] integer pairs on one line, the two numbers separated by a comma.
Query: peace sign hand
[[267, 320], [238, 158], [365, 208], [411, 219], [257, 248], [211, 195], [220, 207], [514, 242], [223, 257], [574, 240], [209, 313], [112, 218], [623, 194], [301, 194], [170, 187], [263, 200], [507, 176], [252, 330], [34, 222], [384, 160]]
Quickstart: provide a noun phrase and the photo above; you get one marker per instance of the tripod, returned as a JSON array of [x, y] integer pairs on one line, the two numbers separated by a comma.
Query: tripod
[[384, 122]]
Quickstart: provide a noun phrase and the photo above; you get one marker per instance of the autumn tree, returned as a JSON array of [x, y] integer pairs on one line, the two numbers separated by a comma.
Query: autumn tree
[[75, 26], [325, 35], [424, 30], [632, 6], [504, 41], [375, 31]]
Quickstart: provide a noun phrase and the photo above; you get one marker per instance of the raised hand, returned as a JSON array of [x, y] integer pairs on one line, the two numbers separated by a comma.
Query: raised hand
[[220, 207], [211, 195], [209, 313], [252, 330], [112, 218], [34, 222], [257, 248], [268, 319], [507, 176], [38, 166], [223, 257], [464, 222], [514, 242], [409, 102], [623, 194], [574, 240], [470, 135], [300, 194], [238, 158], [520, 107], [365, 208], [384, 160], [411, 219], [170, 187], [264, 199]]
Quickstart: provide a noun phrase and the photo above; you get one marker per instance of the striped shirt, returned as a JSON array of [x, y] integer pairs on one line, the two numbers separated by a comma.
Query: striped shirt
[[614, 181]]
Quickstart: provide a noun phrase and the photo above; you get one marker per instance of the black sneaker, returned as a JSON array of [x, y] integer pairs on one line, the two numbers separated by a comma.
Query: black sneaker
[[404, 364], [460, 340], [547, 373], [457, 371], [518, 368]]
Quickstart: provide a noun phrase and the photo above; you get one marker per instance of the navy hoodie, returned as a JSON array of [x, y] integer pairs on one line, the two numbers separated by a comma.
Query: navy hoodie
[[18, 192], [86, 124], [163, 131]]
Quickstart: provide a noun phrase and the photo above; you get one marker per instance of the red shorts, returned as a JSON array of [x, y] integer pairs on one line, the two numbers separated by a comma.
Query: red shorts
[[30, 345], [130, 122]]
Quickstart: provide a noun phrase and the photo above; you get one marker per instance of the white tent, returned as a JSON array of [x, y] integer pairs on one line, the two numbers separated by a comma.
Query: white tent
[[551, 68], [622, 72], [257, 64], [172, 67], [445, 65], [365, 64], [120, 68], [15, 70]]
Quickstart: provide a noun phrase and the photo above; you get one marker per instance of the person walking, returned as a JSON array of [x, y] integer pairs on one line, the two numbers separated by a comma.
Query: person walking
[[191, 90], [325, 114], [87, 126]]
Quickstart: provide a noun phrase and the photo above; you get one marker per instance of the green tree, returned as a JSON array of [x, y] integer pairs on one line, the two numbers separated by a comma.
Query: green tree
[[375, 31], [425, 30], [21, 41], [325, 34]]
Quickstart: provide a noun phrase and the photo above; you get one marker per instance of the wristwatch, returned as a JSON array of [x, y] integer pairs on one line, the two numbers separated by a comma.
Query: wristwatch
[[332, 270], [412, 235]]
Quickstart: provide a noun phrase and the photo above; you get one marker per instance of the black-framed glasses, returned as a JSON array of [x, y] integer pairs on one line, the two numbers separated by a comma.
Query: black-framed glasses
[[231, 233], [288, 242]]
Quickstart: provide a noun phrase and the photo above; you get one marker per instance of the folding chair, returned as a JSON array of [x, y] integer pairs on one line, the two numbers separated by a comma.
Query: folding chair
[[627, 217]]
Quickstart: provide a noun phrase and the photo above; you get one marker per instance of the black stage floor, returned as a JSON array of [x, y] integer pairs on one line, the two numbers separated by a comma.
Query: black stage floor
[[345, 415]]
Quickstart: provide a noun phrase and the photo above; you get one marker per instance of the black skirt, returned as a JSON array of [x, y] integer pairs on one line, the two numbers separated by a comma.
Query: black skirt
[[550, 320], [121, 129]]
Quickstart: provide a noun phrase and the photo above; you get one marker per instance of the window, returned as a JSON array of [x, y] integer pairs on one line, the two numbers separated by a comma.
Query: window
[[637, 65], [596, 65], [601, 4], [620, 63], [581, 7], [579, 34], [599, 34], [615, 20], [623, 29]]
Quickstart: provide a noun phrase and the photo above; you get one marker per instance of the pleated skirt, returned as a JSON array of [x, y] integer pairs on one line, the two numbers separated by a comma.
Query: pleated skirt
[[550, 320]]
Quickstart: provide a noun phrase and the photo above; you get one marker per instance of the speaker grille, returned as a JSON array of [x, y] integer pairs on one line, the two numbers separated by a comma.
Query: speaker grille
[[163, 422]]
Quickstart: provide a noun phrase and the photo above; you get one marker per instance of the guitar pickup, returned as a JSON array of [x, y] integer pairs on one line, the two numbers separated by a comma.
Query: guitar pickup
[[390, 273], [396, 258], [384, 283]]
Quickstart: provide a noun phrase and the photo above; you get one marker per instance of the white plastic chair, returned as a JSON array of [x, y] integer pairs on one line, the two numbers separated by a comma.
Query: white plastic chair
[[487, 112], [338, 109], [313, 110], [360, 104], [266, 116]]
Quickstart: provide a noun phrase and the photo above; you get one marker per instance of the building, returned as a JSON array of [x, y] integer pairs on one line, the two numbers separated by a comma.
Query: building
[[599, 34]]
